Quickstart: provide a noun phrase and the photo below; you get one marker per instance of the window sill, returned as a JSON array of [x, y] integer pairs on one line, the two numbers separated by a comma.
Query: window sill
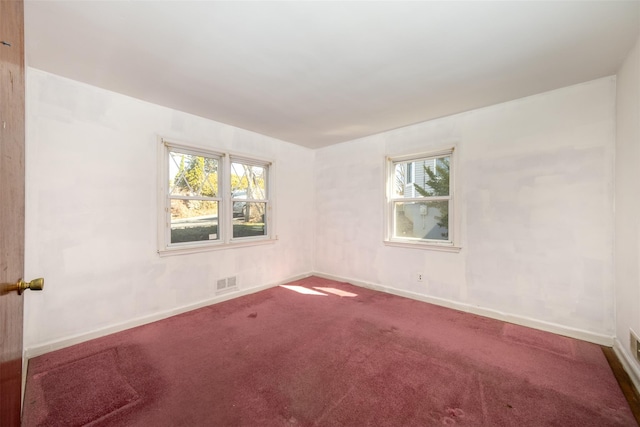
[[193, 249], [423, 246]]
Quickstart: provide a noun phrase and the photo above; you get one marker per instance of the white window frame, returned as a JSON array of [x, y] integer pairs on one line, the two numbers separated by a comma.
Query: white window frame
[[451, 244], [225, 200]]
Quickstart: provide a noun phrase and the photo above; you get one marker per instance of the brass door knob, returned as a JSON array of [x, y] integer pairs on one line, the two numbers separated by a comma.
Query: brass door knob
[[34, 285]]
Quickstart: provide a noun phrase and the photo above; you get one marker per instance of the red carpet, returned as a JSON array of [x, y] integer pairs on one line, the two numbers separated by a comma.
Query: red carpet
[[345, 356]]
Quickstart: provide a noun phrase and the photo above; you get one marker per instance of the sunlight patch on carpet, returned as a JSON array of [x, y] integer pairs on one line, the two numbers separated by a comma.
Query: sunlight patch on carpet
[[302, 290], [335, 291]]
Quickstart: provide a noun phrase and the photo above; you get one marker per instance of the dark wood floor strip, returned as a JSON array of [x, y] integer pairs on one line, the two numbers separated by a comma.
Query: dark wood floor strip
[[626, 385]]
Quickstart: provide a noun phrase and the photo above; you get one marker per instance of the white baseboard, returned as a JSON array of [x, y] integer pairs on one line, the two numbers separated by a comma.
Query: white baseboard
[[494, 314], [77, 339], [486, 312], [630, 366]]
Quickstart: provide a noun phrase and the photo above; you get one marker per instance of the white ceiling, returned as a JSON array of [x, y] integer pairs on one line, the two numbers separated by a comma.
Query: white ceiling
[[319, 73]]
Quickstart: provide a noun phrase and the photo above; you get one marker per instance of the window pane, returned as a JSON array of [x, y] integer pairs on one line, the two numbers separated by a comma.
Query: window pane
[[193, 220], [422, 220], [401, 179], [249, 181], [422, 178], [192, 175], [249, 220]]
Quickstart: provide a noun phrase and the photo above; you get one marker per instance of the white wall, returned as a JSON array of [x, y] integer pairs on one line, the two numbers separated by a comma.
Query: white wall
[[535, 184], [91, 211], [627, 202], [534, 180]]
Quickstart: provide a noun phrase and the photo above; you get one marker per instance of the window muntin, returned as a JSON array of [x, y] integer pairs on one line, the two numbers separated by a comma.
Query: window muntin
[[211, 199], [420, 203]]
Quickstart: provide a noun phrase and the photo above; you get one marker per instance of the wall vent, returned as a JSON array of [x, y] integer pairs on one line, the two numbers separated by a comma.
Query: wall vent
[[231, 282], [226, 284]]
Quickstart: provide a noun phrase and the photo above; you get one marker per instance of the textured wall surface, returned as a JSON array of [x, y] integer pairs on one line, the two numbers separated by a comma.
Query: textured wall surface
[[627, 247], [91, 211], [534, 212]]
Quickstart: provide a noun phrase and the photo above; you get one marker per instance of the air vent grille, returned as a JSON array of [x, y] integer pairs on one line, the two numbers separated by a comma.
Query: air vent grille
[[226, 284]]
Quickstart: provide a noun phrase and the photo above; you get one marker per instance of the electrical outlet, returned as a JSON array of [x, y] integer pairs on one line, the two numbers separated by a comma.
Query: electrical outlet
[[419, 277], [635, 344]]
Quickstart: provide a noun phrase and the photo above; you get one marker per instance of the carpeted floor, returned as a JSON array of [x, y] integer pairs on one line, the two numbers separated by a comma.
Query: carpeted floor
[[336, 355]]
